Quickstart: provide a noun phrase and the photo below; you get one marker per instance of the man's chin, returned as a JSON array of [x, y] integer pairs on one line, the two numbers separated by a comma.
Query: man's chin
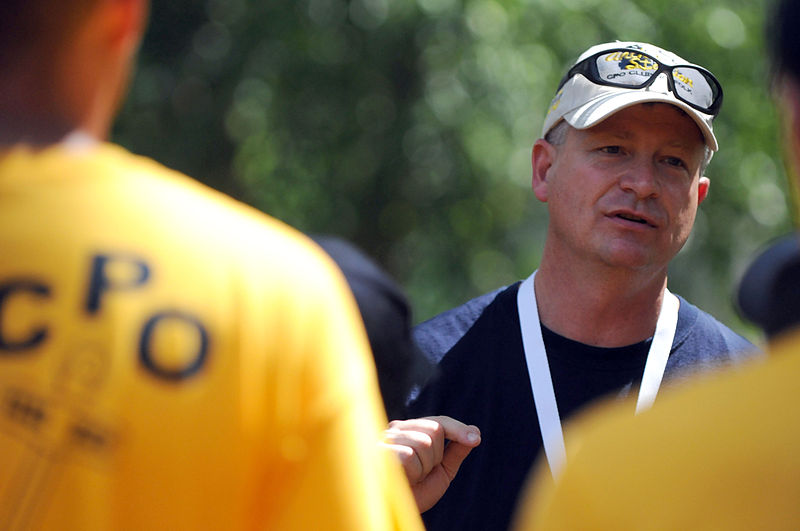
[[632, 257]]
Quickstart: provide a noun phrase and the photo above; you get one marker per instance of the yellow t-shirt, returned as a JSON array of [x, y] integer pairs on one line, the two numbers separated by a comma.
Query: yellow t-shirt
[[172, 359], [721, 453]]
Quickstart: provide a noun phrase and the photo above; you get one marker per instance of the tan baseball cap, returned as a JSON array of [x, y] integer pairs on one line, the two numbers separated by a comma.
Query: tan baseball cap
[[584, 103]]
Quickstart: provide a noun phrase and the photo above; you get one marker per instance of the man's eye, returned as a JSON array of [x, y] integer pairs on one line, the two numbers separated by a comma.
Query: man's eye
[[675, 161], [611, 149]]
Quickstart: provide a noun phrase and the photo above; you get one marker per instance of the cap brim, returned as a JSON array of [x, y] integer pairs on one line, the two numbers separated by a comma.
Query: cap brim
[[598, 109]]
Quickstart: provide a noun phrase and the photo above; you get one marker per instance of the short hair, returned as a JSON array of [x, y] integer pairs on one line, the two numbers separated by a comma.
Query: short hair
[[557, 135], [783, 39], [36, 26]]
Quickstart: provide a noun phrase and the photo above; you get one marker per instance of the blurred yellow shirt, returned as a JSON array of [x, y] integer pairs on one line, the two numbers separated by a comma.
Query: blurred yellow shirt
[[173, 359], [721, 453]]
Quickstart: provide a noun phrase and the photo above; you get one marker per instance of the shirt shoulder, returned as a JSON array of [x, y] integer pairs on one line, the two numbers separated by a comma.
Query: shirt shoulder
[[703, 342], [436, 336]]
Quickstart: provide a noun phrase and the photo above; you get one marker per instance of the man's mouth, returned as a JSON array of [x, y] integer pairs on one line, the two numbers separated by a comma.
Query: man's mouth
[[631, 217]]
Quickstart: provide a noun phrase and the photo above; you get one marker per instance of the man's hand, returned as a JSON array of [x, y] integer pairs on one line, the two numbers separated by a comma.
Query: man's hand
[[429, 463]]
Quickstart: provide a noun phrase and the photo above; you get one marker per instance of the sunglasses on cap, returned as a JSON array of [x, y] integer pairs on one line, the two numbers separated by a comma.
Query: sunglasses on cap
[[634, 69]]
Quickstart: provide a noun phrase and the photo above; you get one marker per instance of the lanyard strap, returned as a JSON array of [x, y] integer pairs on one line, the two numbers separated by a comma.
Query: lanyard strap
[[544, 397]]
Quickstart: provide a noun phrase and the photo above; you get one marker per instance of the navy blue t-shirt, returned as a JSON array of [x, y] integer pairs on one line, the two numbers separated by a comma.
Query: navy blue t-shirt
[[482, 379]]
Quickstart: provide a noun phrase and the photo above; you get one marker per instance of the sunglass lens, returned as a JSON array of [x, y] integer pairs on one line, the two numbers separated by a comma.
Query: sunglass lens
[[631, 69], [693, 86]]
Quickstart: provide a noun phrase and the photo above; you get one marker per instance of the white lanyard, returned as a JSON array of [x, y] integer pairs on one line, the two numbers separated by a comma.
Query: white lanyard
[[544, 397]]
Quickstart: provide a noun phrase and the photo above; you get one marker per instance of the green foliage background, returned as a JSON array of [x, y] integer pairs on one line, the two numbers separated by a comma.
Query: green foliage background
[[406, 125]]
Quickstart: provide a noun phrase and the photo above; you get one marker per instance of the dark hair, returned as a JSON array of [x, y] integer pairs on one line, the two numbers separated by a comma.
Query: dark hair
[[783, 38], [38, 25]]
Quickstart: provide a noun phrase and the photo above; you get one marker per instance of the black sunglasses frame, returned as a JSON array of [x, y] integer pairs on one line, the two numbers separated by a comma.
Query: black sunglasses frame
[[588, 68]]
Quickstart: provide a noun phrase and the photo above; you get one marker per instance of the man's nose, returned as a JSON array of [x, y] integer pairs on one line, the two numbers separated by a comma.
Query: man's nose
[[641, 178]]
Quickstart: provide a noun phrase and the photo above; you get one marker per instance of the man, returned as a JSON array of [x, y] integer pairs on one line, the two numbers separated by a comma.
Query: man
[[626, 141], [717, 455], [169, 358]]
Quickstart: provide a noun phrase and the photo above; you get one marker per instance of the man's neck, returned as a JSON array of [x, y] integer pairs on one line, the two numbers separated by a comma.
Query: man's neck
[[612, 308]]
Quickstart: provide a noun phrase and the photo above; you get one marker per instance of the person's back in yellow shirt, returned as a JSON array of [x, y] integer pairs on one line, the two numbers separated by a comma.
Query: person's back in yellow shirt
[[171, 359]]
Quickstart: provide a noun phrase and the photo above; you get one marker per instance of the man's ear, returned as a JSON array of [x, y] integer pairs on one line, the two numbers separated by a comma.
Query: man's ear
[[125, 22], [703, 185], [543, 156]]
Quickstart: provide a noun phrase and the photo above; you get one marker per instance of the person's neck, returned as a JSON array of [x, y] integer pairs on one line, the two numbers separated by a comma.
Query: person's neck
[[33, 135], [31, 117], [38, 111], [609, 308]]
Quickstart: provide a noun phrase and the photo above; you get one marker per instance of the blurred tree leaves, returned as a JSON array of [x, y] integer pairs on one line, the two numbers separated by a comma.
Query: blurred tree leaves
[[406, 126]]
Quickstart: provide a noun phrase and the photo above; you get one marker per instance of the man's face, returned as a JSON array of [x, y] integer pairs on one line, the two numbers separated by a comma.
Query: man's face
[[623, 193]]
